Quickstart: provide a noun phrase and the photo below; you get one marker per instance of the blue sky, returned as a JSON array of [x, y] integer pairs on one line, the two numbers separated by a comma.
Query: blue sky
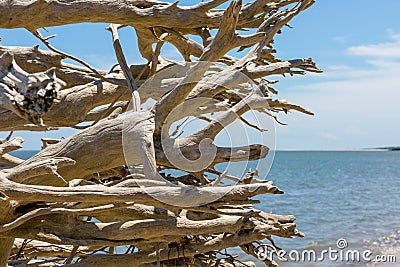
[[356, 100]]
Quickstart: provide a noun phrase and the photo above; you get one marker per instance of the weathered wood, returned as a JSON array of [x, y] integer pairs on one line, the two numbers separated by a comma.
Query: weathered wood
[[76, 104], [37, 168], [29, 96], [108, 185], [132, 231], [182, 197], [35, 248], [124, 66], [10, 145], [136, 13], [33, 59], [225, 40], [6, 243], [11, 160], [148, 256]]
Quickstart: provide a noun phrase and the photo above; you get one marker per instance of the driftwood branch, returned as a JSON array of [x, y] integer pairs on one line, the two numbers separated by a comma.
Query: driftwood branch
[[34, 248], [10, 145], [33, 59], [125, 68], [118, 180], [29, 96], [183, 197], [136, 13], [148, 256]]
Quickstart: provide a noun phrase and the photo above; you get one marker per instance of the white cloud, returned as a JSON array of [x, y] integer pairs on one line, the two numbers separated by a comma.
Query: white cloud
[[376, 67], [388, 49], [355, 107]]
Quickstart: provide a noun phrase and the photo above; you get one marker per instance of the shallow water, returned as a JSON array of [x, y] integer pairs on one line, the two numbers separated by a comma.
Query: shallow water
[[339, 195]]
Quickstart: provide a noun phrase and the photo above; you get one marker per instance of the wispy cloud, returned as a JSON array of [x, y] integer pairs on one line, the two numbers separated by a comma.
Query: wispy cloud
[[341, 38], [356, 105], [374, 67], [339, 68], [388, 49]]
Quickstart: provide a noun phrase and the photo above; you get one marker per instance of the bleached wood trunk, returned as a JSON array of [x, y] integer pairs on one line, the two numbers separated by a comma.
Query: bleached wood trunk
[[111, 170]]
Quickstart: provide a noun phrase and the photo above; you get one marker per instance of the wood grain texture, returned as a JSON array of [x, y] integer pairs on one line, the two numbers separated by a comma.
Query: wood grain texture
[[128, 177]]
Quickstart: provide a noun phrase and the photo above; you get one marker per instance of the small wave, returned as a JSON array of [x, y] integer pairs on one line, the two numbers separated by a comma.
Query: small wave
[[388, 244]]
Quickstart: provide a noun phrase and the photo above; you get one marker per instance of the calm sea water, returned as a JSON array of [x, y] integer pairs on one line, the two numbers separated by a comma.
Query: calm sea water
[[339, 195], [336, 195]]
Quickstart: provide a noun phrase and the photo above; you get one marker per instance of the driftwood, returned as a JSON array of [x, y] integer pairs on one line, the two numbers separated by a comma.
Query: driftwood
[[84, 200]]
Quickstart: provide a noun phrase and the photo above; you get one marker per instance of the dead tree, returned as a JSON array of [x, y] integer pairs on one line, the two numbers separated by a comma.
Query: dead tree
[[103, 187]]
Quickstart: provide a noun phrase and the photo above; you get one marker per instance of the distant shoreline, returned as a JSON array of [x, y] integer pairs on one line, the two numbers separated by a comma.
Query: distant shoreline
[[390, 148]]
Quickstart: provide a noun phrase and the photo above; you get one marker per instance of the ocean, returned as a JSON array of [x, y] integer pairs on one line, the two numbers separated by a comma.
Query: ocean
[[350, 195], [347, 195]]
